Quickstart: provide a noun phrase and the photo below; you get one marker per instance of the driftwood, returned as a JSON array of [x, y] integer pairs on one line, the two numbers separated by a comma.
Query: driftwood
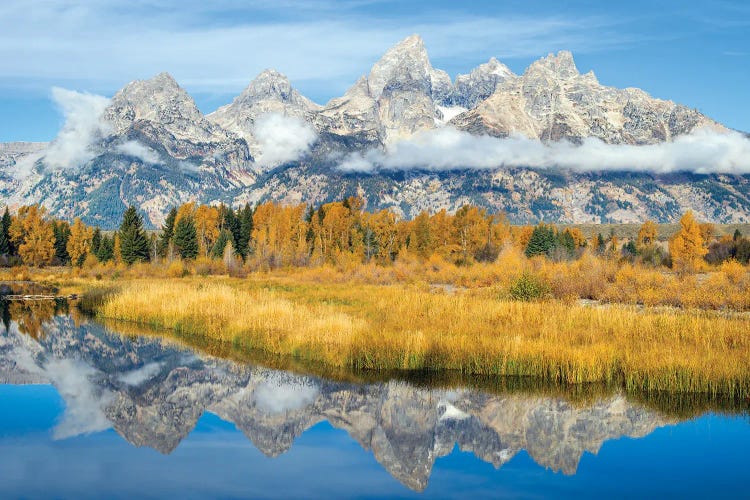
[[38, 297]]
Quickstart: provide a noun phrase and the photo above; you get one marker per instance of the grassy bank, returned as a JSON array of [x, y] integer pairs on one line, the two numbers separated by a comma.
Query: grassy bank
[[413, 327]]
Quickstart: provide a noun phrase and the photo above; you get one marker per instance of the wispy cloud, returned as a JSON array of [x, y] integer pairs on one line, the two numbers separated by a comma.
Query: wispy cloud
[[444, 149], [116, 41], [83, 126], [138, 150]]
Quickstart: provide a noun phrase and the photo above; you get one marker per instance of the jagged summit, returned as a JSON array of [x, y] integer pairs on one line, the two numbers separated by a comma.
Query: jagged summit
[[470, 89], [270, 92], [405, 63], [272, 85], [561, 64]]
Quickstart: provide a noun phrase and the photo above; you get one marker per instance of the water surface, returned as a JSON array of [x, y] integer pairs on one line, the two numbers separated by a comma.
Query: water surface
[[88, 412]]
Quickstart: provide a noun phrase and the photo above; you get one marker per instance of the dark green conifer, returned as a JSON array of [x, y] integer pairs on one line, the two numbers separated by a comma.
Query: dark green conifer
[[106, 250], [61, 230], [225, 237], [134, 244], [542, 241], [5, 227], [246, 228], [186, 238], [167, 232], [96, 241]]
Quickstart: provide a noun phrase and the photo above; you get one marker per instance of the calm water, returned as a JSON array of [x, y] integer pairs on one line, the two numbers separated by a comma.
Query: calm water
[[86, 412]]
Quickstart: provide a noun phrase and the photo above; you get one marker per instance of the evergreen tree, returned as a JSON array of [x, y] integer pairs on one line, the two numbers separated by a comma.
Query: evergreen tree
[[61, 230], [4, 239], [542, 241], [5, 229], [186, 238], [737, 234], [133, 241], [245, 216], [96, 241], [601, 245], [167, 232], [225, 236], [567, 243], [106, 249]]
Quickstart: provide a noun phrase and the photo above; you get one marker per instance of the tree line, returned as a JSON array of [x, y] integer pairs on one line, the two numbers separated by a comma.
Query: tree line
[[272, 235]]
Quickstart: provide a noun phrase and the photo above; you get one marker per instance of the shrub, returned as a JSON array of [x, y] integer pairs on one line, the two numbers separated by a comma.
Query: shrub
[[176, 269], [528, 287]]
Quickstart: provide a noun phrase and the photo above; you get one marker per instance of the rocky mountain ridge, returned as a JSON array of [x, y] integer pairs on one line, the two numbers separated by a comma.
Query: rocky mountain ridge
[[155, 149]]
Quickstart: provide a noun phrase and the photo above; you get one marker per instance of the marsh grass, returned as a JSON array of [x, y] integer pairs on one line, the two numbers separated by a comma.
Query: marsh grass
[[414, 328]]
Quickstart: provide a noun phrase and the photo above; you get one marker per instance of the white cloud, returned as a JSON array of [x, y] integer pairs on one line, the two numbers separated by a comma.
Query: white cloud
[[278, 396], [444, 149], [140, 375], [83, 126], [282, 138], [84, 400], [138, 150]]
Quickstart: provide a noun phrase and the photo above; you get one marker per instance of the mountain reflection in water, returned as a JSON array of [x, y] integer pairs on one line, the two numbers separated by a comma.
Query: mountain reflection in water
[[152, 392]]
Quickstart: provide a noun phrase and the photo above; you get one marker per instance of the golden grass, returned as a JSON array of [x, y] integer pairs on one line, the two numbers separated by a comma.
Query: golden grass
[[412, 327]]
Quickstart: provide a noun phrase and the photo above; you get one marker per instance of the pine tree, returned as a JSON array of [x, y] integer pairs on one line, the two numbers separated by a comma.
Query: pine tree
[[61, 230], [601, 245], [96, 241], [186, 238], [5, 229], [225, 236], [133, 241], [106, 249], [167, 232], [567, 243], [542, 241], [245, 216], [4, 239]]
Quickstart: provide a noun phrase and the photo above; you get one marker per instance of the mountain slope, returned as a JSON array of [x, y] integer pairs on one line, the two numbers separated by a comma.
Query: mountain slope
[[153, 148]]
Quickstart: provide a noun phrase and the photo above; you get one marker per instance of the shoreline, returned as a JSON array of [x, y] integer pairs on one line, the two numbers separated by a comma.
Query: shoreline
[[374, 327]]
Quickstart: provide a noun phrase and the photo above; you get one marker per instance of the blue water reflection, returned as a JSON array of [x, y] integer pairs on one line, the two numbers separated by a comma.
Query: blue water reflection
[[88, 413]]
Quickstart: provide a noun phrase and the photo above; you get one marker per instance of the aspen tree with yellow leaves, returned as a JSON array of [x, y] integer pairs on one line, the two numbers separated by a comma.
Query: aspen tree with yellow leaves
[[688, 247], [79, 242]]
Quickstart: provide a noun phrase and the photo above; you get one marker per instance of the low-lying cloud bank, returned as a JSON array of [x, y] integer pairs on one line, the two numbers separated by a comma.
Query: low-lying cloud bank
[[444, 149], [139, 151], [82, 128], [282, 138]]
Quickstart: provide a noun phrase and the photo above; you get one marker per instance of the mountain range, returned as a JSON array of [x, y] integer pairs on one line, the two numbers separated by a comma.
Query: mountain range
[[550, 144]]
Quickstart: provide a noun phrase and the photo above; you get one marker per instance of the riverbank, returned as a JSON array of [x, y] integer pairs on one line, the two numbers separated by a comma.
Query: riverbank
[[474, 331]]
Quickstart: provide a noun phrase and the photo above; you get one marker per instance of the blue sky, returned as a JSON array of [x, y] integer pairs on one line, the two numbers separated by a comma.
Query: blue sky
[[696, 53]]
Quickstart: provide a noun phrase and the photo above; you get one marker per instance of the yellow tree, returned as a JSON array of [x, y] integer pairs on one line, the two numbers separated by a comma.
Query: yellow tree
[[79, 242], [647, 234], [33, 235], [687, 247], [470, 226], [206, 220], [117, 249]]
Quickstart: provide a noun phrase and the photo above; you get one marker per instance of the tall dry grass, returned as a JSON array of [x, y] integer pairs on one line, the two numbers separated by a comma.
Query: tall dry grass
[[413, 327]]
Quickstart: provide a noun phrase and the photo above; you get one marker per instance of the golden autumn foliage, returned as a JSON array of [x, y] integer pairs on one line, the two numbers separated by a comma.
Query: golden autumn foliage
[[79, 242], [33, 235], [688, 247], [647, 234]]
